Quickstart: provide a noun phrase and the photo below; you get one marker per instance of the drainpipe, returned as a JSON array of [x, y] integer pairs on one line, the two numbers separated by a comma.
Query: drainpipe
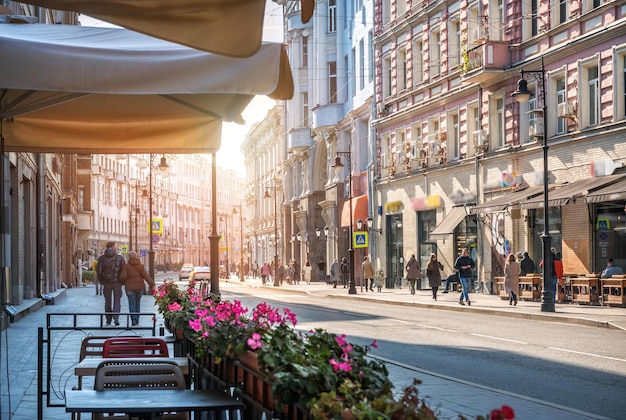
[[42, 286]]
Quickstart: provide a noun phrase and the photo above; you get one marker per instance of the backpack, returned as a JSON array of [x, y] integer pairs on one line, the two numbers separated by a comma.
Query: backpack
[[345, 268], [107, 270]]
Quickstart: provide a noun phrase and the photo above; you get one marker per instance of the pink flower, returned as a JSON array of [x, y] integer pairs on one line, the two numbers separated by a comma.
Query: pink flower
[[173, 307], [254, 342], [344, 366], [375, 344]]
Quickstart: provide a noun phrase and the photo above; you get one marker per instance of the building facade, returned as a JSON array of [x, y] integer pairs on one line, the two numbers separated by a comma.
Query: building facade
[[460, 161]]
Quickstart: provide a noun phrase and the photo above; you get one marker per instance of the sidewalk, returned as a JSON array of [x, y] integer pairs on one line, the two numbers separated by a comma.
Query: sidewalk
[[459, 397], [573, 313]]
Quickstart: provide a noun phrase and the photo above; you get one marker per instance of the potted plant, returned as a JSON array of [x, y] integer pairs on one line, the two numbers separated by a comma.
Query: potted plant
[[176, 306]]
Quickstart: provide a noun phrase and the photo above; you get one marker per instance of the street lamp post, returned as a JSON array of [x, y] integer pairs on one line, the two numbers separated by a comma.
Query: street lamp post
[[163, 166], [241, 273], [522, 94], [338, 167], [267, 195]]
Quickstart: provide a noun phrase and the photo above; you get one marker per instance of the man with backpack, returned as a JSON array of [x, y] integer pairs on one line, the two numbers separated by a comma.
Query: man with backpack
[[112, 276], [345, 271]]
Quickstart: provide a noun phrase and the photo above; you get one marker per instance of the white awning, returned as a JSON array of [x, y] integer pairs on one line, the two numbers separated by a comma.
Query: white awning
[[73, 89], [572, 191], [450, 222], [231, 27]]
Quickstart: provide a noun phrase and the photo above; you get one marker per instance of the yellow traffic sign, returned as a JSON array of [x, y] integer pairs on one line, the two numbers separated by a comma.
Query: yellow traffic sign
[[157, 226], [124, 249], [360, 239]]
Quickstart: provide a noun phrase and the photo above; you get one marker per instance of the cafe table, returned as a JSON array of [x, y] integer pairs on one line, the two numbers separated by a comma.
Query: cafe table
[[152, 402]]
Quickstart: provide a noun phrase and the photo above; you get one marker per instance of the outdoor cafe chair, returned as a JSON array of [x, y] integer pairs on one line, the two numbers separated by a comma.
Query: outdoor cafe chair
[[120, 347], [144, 375]]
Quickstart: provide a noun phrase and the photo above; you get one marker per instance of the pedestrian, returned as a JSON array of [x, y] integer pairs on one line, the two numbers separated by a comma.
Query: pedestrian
[[265, 272], [379, 279], [110, 275], [334, 273], [345, 271], [527, 265], [94, 268], [255, 269], [296, 272], [307, 271], [452, 278], [511, 279], [464, 264], [136, 275], [611, 270], [433, 271], [556, 270], [369, 272], [280, 274], [321, 266], [413, 272]]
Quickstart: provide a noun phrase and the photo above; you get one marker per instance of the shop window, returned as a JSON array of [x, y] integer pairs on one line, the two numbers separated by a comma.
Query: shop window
[[535, 229], [609, 235]]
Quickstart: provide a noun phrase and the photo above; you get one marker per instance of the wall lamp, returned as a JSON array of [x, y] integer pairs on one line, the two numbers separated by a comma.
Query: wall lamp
[[370, 225], [318, 233]]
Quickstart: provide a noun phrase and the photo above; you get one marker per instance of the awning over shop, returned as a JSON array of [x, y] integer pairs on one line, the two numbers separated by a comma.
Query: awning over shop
[[359, 210], [233, 27], [74, 89], [450, 222], [508, 200], [577, 189], [613, 192]]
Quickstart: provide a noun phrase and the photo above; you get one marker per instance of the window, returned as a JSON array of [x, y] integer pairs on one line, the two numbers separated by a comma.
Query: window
[[418, 62], [473, 136], [416, 140], [497, 120], [332, 16], [560, 11], [401, 63], [590, 94], [305, 109], [386, 76], [332, 82], [386, 12], [400, 8], [534, 18], [305, 51], [620, 106], [370, 61], [496, 23], [561, 97], [427, 221], [81, 197], [353, 71], [435, 53], [361, 64], [454, 43], [453, 137]]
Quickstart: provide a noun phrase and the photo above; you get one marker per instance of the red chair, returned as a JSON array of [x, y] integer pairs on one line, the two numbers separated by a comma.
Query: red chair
[[119, 347]]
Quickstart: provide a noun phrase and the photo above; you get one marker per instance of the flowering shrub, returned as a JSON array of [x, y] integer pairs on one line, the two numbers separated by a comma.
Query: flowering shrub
[[322, 373], [228, 329], [176, 306]]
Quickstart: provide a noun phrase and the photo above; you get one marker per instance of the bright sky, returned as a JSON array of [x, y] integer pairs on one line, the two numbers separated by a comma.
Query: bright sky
[[229, 156]]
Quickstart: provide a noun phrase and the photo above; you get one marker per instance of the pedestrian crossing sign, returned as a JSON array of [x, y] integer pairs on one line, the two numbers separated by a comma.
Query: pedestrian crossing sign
[[360, 240], [157, 226]]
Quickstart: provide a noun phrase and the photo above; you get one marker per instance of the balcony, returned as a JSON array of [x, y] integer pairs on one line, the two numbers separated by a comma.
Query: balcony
[[326, 116], [84, 220], [486, 60], [299, 139]]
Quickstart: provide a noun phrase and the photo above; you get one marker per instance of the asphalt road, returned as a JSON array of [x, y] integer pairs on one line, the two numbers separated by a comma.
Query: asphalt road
[[575, 366]]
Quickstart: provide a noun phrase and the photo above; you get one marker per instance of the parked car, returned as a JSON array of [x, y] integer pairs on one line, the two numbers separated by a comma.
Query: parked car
[[200, 273], [184, 272]]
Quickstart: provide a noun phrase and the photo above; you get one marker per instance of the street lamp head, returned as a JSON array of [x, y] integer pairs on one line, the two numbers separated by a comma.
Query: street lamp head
[[359, 224], [370, 222], [318, 233], [326, 231], [522, 94], [163, 166], [338, 166], [299, 237]]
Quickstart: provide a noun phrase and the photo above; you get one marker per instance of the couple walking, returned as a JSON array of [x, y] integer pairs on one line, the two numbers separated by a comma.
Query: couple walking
[[433, 272], [113, 273]]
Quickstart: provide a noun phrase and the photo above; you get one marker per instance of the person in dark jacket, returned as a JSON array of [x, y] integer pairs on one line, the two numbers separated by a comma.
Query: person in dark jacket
[[111, 274], [465, 265], [136, 274], [527, 265], [433, 271]]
